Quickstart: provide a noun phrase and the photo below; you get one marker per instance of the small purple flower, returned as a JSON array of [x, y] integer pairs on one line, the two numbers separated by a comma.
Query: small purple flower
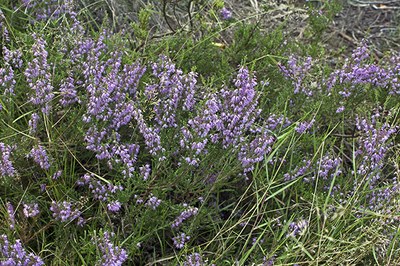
[[114, 206], [43, 187], [139, 200], [153, 202], [102, 192], [302, 127], [298, 228], [186, 214], [3, 29], [340, 109], [64, 211], [84, 180], [31, 210], [81, 221], [361, 52], [6, 166], [194, 259], [7, 81], [180, 240], [47, 10], [145, 171], [39, 156], [225, 13], [298, 171], [274, 121], [111, 255], [68, 92], [329, 164], [56, 175], [99, 190], [268, 261], [297, 70], [15, 254], [33, 122], [11, 215], [38, 75]]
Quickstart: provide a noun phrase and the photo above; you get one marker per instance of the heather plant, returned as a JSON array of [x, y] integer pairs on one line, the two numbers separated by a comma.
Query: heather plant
[[113, 153]]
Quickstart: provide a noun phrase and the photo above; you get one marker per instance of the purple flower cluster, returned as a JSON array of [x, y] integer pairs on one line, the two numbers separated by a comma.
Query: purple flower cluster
[[326, 168], [173, 91], [153, 202], [6, 166], [99, 191], [303, 127], [112, 103], [268, 261], [33, 123], [15, 254], [186, 214], [3, 28], [373, 145], [226, 118], [194, 259], [68, 92], [114, 206], [38, 76], [11, 215], [329, 165], [298, 228], [383, 199], [56, 175], [65, 211], [238, 108], [107, 93], [12, 60], [225, 13], [253, 152], [111, 255], [145, 171], [298, 171], [112, 151], [297, 72], [371, 153], [357, 74], [111, 88], [39, 156], [180, 240], [31, 209], [47, 9], [151, 137], [273, 121]]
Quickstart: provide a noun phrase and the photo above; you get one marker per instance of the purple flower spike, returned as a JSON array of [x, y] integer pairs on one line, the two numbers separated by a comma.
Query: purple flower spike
[[11, 215], [64, 211], [38, 76], [31, 210], [303, 127], [153, 202], [111, 255], [6, 166], [180, 240], [39, 155], [114, 206], [194, 259], [186, 214], [15, 254]]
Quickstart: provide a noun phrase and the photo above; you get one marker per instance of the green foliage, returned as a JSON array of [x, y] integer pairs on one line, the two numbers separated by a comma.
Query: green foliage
[[321, 17]]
